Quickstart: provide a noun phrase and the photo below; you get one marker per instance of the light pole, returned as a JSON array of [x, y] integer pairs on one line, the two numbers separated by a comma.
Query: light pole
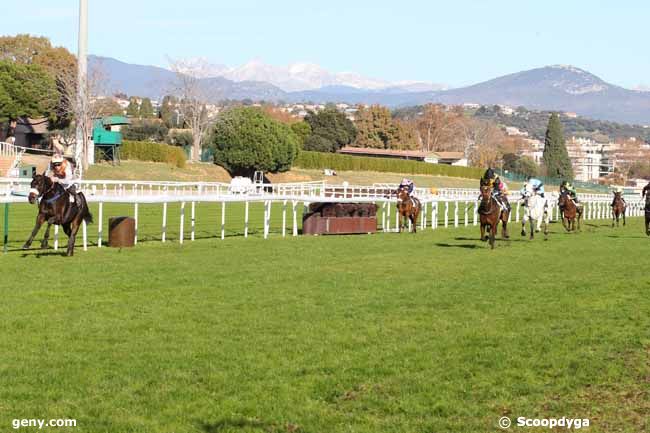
[[82, 85]]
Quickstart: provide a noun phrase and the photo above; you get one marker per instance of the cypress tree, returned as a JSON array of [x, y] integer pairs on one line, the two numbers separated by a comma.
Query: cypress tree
[[146, 109], [133, 110], [556, 157]]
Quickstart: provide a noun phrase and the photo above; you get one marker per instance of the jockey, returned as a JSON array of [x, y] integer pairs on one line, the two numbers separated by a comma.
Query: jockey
[[60, 171], [569, 189], [536, 184], [499, 188], [619, 190], [408, 184], [646, 190]]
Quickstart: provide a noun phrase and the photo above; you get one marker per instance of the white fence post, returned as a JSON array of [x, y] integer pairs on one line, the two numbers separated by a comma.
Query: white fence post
[[193, 214], [164, 222], [99, 225], [135, 217], [246, 219], [223, 220], [182, 221]]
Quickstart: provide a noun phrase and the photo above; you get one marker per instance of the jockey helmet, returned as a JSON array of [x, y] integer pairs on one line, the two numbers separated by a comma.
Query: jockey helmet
[[57, 158]]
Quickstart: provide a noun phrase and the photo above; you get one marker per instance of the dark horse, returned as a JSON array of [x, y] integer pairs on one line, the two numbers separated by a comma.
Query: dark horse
[[408, 208], [647, 214], [490, 214], [571, 213], [54, 207], [618, 209]]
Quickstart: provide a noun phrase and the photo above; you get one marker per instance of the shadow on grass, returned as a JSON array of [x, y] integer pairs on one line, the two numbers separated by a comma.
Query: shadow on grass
[[465, 246], [230, 424]]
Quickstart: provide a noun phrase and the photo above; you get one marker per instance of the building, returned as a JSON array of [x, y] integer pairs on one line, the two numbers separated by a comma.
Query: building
[[448, 158]]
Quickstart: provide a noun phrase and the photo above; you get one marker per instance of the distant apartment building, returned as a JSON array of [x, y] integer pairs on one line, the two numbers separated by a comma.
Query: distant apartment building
[[515, 132], [586, 157]]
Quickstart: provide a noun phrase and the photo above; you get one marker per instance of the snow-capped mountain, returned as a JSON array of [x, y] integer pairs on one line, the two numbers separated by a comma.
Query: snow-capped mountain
[[302, 76]]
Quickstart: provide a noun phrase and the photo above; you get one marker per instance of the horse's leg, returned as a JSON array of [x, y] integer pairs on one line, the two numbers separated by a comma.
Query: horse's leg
[[493, 233], [40, 219], [46, 238], [624, 217], [482, 232], [523, 225], [613, 217], [71, 231], [504, 227]]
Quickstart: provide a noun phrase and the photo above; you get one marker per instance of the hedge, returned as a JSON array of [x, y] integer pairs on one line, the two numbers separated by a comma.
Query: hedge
[[336, 161], [156, 152]]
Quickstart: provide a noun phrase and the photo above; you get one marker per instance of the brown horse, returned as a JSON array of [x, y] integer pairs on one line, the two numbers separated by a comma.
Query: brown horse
[[408, 208], [571, 213], [55, 208], [618, 209], [490, 213]]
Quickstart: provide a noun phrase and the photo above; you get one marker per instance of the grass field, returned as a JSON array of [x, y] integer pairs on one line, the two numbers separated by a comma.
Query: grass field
[[430, 332]]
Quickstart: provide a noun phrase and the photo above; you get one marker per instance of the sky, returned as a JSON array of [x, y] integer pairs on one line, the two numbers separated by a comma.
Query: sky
[[455, 42]]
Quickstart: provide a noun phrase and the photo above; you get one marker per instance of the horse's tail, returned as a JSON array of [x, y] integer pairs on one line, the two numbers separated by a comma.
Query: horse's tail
[[87, 216]]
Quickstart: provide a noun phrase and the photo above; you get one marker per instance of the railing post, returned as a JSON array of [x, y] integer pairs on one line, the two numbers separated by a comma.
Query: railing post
[[164, 222], [223, 220], [135, 217], [99, 224], [193, 215], [182, 222], [246, 219]]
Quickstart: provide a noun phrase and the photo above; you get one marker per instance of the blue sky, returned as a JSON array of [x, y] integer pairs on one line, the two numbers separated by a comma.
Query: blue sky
[[455, 42]]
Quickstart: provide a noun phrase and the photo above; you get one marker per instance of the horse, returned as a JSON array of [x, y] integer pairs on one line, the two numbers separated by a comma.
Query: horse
[[54, 207], [618, 209], [490, 213], [536, 209], [409, 209], [647, 214], [571, 213]]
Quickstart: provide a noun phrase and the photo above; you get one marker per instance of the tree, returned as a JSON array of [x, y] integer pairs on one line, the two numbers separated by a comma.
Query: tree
[[556, 157], [57, 62], [107, 107], [146, 130], [133, 110], [168, 112], [376, 128], [247, 140], [302, 130], [25, 90], [333, 127], [194, 95], [524, 165], [486, 141], [146, 109], [440, 130]]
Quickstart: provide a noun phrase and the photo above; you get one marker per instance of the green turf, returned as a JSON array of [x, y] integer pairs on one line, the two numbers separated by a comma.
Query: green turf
[[430, 332]]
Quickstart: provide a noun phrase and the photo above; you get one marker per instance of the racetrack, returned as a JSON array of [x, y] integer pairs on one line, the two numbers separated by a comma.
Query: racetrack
[[428, 332]]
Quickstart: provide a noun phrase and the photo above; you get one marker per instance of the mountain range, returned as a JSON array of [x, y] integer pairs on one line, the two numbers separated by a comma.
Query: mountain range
[[557, 87]]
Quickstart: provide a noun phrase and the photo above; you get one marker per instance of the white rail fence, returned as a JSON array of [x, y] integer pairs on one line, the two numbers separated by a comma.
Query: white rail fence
[[449, 207]]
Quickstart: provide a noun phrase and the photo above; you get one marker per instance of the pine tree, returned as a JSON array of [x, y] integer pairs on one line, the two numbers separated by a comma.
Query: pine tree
[[556, 157]]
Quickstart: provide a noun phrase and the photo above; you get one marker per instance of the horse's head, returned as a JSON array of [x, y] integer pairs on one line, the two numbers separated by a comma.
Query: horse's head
[[402, 195], [40, 184], [617, 194], [486, 193], [528, 190]]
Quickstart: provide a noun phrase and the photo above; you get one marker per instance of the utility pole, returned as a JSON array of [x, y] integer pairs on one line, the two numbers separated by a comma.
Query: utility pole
[[82, 85]]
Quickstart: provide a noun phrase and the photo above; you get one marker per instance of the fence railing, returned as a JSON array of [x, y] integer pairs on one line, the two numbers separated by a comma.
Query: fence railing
[[450, 207]]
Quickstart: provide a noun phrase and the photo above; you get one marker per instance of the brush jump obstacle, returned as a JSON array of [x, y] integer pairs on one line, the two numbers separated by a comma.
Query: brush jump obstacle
[[447, 207]]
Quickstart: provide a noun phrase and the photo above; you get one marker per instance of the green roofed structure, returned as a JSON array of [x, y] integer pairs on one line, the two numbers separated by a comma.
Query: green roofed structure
[[108, 138]]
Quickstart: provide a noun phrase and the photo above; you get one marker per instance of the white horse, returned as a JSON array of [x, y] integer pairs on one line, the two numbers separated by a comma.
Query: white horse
[[535, 209]]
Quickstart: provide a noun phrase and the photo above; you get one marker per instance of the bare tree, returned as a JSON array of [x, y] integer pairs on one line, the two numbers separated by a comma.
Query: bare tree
[[195, 95], [81, 111], [439, 129], [487, 143]]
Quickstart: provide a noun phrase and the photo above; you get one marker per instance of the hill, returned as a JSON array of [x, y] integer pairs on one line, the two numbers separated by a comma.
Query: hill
[[558, 88]]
